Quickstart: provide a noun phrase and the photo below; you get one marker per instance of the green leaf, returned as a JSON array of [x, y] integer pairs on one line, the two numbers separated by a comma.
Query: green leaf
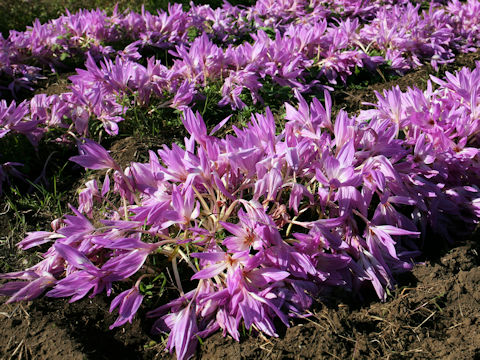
[[64, 56]]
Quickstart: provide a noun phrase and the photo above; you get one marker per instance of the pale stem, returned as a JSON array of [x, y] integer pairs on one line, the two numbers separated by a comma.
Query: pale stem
[[177, 275], [289, 228], [72, 134], [187, 260], [229, 210], [125, 211], [242, 187], [204, 203], [360, 215], [300, 212]]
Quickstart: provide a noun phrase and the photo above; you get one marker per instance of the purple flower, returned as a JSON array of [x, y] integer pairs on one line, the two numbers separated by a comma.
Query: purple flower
[[87, 196], [360, 189], [94, 156], [27, 290], [183, 325], [76, 226], [128, 303], [77, 285], [37, 238]]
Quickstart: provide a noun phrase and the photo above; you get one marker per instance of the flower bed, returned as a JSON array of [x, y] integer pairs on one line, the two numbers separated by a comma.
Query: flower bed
[[255, 225]]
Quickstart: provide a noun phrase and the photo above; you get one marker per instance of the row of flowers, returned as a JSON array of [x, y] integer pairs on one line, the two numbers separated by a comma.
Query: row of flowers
[[334, 36], [255, 225], [72, 35]]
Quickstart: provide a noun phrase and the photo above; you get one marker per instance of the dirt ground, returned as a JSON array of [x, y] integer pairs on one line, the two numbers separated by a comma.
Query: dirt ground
[[433, 314]]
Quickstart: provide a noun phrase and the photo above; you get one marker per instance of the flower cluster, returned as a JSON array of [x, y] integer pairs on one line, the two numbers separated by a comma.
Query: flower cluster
[[255, 225]]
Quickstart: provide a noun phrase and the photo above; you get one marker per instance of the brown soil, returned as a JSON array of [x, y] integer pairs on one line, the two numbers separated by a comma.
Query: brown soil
[[55, 329], [56, 84], [129, 149]]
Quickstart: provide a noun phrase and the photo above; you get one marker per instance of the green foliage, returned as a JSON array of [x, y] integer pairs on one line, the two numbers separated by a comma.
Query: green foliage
[[272, 94], [28, 210], [150, 286], [49, 181], [155, 119], [193, 33], [43, 201]]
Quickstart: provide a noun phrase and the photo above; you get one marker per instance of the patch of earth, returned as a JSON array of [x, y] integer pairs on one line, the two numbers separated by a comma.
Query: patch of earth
[[129, 149], [55, 84], [54, 329]]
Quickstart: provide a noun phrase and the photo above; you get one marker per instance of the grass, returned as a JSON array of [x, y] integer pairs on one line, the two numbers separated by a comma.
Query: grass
[[31, 203]]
